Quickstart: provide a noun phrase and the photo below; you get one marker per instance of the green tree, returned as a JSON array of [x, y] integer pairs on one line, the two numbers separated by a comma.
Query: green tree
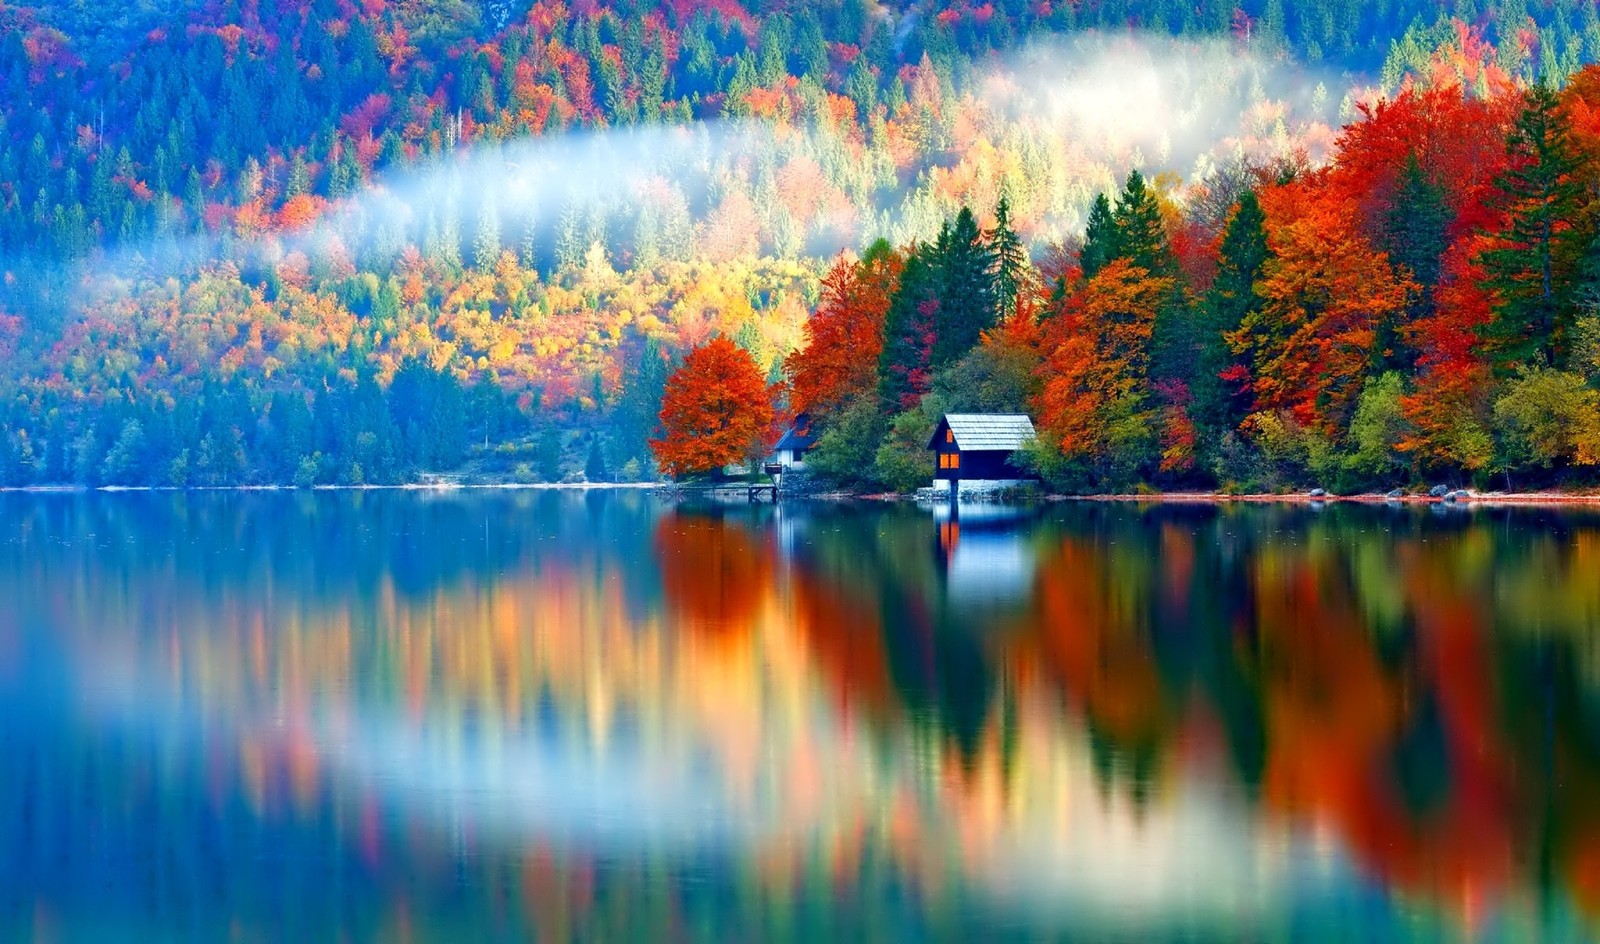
[[1141, 233], [903, 462], [1010, 259], [905, 367], [1546, 417], [1218, 405], [1531, 263], [965, 279], [549, 452], [596, 469], [846, 452], [639, 407], [1100, 244], [1414, 235], [486, 245], [1379, 428]]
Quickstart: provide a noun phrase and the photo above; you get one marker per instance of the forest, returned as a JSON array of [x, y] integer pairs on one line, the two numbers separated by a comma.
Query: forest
[[330, 242], [1426, 303]]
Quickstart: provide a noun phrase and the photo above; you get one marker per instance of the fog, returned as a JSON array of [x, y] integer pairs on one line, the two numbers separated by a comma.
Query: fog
[[1052, 125]]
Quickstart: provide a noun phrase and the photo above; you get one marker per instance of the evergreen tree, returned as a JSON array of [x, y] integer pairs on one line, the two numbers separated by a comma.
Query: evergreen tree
[[965, 281], [905, 365], [549, 451], [1010, 257], [1141, 233], [1415, 238], [595, 469], [1530, 265], [1232, 297], [640, 405], [486, 245], [1099, 239]]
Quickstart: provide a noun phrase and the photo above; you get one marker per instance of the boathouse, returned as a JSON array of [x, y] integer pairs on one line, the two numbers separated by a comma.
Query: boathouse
[[790, 453], [977, 451]]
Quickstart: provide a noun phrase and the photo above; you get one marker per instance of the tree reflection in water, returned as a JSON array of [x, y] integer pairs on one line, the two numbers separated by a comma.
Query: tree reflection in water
[[559, 713]]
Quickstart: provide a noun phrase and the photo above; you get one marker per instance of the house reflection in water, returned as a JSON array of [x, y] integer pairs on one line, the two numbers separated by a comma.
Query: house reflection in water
[[983, 553]]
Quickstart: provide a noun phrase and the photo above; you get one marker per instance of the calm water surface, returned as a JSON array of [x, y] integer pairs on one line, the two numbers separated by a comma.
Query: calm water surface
[[559, 715]]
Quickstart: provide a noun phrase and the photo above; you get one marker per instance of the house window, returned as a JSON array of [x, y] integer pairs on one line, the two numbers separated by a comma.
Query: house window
[[949, 435], [944, 461], [955, 460]]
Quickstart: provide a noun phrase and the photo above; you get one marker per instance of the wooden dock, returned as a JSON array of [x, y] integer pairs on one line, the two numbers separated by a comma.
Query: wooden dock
[[751, 492]]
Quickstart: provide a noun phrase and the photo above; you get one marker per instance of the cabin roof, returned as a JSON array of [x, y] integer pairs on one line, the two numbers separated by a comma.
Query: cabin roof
[[798, 437], [985, 432]]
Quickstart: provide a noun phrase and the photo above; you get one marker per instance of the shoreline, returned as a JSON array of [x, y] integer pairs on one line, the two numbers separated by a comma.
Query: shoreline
[[407, 487], [1477, 499]]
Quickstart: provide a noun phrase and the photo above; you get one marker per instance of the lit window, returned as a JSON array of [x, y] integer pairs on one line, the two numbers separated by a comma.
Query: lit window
[[949, 435], [955, 460]]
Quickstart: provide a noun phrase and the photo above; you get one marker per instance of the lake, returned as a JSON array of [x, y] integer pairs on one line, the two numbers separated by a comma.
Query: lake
[[504, 715]]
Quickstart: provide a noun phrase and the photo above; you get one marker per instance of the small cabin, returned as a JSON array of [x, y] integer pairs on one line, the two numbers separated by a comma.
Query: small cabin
[[790, 453], [977, 451]]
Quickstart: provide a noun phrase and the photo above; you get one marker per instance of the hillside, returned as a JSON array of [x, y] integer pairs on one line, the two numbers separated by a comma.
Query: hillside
[[334, 241]]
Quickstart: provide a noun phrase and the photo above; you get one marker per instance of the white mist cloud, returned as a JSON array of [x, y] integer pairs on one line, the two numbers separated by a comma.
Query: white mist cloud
[[1174, 99], [1066, 120]]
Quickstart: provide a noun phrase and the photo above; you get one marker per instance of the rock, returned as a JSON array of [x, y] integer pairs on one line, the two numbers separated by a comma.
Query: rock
[[1450, 497], [1439, 491], [1319, 493], [1395, 495], [1461, 495]]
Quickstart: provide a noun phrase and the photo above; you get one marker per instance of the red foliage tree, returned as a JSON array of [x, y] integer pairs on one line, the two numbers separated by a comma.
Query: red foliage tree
[[717, 410], [1096, 361], [844, 337], [1324, 291]]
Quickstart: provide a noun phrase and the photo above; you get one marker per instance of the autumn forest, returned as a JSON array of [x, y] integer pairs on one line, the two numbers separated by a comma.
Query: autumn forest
[[1249, 245]]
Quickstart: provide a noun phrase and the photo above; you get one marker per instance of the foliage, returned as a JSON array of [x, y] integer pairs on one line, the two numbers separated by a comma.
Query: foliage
[[1323, 292], [902, 462], [1447, 233], [1529, 262], [1379, 429], [1548, 416], [844, 336], [1095, 406], [717, 411], [847, 450]]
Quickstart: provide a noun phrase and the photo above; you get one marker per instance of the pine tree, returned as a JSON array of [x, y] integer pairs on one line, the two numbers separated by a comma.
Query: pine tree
[[1415, 238], [595, 469], [1530, 263], [299, 177], [641, 400], [905, 366], [1141, 233], [1099, 239], [1011, 259], [1231, 299], [486, 245], [965, 282]]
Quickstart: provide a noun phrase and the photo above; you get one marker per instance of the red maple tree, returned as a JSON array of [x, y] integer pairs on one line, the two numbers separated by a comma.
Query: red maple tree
[[844, 337], [717, 410]]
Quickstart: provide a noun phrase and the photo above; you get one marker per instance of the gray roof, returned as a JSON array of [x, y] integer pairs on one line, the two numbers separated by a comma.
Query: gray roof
[[983, 432], [798, 439]]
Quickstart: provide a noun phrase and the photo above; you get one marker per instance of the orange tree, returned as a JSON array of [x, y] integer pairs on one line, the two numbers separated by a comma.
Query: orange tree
[[716, 410], [845, 336], [1095, 340]]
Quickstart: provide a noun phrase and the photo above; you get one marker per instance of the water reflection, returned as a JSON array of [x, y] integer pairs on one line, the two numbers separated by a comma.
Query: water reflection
[[448, 716]]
